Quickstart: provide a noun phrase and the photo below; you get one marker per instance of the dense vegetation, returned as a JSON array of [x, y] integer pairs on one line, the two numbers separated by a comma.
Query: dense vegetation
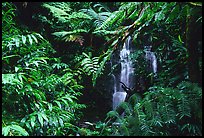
[[55, 68]]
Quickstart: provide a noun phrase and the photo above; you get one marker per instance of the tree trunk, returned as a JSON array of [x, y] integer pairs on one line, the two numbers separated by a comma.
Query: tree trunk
[[192, 45]]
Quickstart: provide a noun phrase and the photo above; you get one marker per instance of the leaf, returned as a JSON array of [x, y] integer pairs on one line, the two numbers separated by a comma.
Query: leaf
[[159, 16], [8, 78], [32, 121], [16, 69], [112, 114], [3, 58], [5, 130], [179, 37], [55, 121], [23, 39], [28, 125], [65, 102], [58, 103], [38, 96], [55, 10], [45, 117], [61, 122], [40, 36], [79, 15], [40, 119], [21, 130], [68, 98], [17, 42], [34, 38], [30, 39]]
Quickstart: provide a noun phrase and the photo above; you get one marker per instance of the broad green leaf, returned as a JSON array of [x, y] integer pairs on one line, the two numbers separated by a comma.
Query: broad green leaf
[[36, 41], [23, 39], [5, 57], [179, 37], [50, 106], [40, 36], [65, 102], [5, 130], [45, 117], [30, 39], [58, 103], [24, 119], [55, 121], [38, 96], [21, 130], [112, 114], [28, 125], [61, 122], [37, 105], [40, 119], [16, 69], [17, 42], [32, 121]]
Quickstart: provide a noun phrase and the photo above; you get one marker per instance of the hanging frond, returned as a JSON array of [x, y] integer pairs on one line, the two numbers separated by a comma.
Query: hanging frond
[[79, 15], [94, 66], [98, 17], [71, 36], [115, 16], [56, 11]]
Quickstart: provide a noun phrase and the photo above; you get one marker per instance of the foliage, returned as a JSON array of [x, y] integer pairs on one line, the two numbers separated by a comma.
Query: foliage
[[14, 130], [41, 86], [163, 111], [35, 100], [94, 66]]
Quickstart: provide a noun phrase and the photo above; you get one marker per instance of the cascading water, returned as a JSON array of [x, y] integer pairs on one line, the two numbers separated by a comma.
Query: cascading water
[[126, 75], [151, 58]]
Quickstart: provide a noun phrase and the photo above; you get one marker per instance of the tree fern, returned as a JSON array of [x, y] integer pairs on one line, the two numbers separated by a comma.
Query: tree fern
[[76, 16], [98, 16], [111, 20], [57, 12]]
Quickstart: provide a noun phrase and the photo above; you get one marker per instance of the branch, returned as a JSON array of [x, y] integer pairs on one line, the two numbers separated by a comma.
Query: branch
[[195, 4], [127, 89]]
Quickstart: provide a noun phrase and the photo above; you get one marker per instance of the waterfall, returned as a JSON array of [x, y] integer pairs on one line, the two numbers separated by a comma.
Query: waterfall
[[126, 75], [151, 59]]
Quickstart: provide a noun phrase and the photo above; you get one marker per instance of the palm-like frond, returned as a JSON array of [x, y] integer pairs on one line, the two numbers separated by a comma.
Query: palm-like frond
[[98, 17], [95, 65], [57, 12], [71, 36]]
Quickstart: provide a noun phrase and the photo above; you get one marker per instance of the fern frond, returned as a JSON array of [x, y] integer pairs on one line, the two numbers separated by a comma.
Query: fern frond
[[64, 33], [95, 65], [98, 17], [71, 36], [101, 8], [79, 15], [148, 108], [183, 107], [56, 11], [115, 16], [90, 12]]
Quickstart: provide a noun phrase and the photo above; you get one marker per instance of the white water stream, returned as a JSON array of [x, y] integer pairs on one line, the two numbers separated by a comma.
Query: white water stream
[[126, 75]]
